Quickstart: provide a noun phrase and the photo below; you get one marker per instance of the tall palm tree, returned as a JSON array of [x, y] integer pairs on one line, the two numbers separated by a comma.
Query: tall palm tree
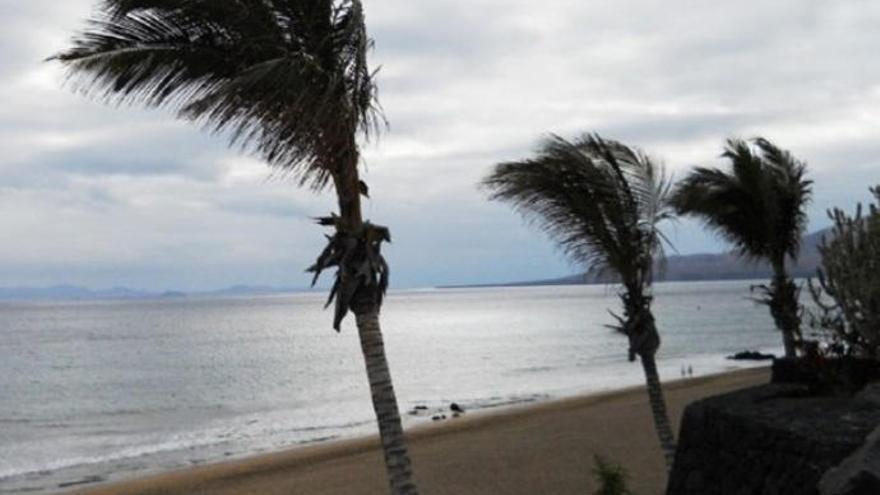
[[602, 202], [759, 207], [287, 80]]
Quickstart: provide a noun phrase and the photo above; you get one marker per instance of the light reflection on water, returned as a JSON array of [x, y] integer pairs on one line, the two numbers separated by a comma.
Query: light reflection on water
[[133, 386]]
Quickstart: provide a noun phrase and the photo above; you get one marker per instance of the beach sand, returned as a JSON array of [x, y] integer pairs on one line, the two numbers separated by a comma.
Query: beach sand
[[544, 448]]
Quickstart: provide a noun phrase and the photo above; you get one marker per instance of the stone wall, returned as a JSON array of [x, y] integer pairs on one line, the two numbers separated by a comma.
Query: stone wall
[[773, 439]]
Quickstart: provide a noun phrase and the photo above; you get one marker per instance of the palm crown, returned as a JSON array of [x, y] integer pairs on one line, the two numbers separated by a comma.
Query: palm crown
[[286, 79], [758, 206], [600, 199], [602, 202]]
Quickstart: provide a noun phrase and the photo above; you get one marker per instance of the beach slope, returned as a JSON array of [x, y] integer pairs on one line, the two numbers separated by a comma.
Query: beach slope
[[545, 448]]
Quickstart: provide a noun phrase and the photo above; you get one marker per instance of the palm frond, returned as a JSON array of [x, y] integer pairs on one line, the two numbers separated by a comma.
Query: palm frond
[[758, 205], [286, 80], [599, 199]]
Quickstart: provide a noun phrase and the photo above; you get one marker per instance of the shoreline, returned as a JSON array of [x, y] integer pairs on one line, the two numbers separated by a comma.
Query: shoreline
[[340, 466]]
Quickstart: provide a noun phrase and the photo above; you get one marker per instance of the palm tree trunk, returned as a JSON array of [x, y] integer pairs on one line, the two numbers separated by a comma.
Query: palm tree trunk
[[789, 345], [366, 309], [784, 308], [385, 404], [658, 408]]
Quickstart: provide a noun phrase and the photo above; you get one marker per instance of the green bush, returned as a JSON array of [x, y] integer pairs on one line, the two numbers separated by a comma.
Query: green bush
[[611, 477], [847, 295]]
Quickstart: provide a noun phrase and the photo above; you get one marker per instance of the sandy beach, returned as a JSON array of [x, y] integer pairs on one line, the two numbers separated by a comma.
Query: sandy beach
[[545, 448]]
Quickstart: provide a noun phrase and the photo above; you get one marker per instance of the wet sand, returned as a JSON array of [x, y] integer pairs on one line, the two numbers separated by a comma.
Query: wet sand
[[544, 448]]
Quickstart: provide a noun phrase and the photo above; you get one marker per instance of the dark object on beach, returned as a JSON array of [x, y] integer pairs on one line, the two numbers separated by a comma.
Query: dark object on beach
[[455, 408], [751, 356], [436, 418], [421, 408], [85, 481]]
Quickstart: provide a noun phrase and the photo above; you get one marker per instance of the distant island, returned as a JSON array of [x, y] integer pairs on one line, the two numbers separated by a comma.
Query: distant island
[[77, 293], [694, 267], [697, 267]]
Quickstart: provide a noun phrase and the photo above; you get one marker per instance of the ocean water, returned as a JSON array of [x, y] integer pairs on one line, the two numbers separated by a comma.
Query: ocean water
[[101, 391]]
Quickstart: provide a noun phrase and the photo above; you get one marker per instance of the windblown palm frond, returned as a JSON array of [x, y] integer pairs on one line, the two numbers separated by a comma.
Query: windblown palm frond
[[287, 80], [602, 202], [599, 199], [758, 206]]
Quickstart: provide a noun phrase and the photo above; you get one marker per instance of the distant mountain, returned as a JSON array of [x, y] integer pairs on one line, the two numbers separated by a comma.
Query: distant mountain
[[249, 290], [69, 292], [77, 293], [724, 266]]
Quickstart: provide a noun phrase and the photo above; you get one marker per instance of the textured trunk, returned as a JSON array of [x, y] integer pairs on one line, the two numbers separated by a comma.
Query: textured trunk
[[784, 308], [789, 345], [644, 340], [385, 404], [658, 408], [366, 310]]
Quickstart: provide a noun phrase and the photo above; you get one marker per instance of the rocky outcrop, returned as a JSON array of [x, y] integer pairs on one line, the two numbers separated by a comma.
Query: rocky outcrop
[[751, 356], [858, 474], [774, 439]]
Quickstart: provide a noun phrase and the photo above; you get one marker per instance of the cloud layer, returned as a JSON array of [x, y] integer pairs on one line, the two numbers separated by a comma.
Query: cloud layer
[[103, 196]]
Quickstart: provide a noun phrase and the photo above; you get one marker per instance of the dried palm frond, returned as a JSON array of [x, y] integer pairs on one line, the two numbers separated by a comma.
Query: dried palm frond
[[357, 255]]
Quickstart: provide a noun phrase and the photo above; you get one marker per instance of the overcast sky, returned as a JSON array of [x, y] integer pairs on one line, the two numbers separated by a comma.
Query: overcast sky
[[101, 196]]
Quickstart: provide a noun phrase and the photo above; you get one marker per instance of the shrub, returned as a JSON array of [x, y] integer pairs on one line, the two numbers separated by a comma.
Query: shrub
[[611, 477], [847, 295]]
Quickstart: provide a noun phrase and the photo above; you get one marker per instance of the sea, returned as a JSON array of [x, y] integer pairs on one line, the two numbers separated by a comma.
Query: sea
[[92, 392]]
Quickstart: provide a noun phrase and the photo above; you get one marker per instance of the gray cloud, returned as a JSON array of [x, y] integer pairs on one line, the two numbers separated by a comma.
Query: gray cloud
[[107, 196]]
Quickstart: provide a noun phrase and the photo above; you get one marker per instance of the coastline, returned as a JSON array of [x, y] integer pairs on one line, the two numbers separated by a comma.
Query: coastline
[[544, 447]]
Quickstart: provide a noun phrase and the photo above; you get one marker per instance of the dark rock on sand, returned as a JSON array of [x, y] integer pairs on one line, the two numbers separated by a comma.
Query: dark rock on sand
[[84, 481], [455, 408], [751, 356]]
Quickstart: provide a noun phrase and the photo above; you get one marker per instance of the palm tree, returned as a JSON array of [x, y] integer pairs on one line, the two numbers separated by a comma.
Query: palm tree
[[602, 202], [759, 207], [288, 81]]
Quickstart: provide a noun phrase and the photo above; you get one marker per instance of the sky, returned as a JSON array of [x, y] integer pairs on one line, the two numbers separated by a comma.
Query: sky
[[98, 196]]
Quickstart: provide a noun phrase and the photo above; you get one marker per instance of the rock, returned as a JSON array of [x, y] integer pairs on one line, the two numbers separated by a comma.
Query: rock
[[870, 394], [421, 408], [455, 408], [751, 356], [436, 418], [770, 439], [858, 474]]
